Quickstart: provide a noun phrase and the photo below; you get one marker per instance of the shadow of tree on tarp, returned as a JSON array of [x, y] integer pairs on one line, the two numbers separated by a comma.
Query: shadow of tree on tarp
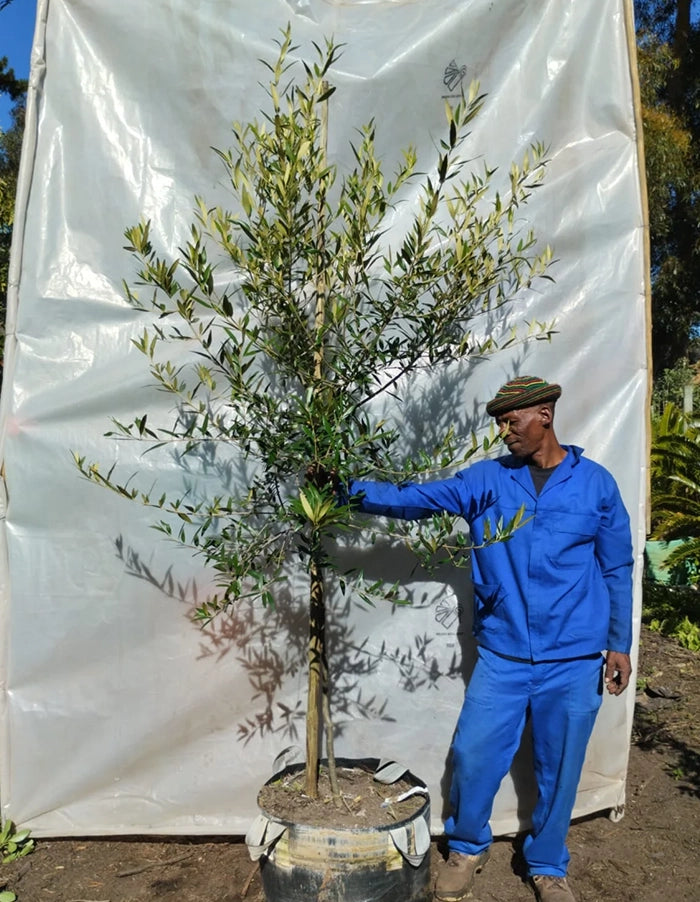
[[270, 646]]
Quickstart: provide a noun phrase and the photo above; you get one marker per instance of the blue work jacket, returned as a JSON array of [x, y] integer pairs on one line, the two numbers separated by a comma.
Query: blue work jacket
[[561, 586]]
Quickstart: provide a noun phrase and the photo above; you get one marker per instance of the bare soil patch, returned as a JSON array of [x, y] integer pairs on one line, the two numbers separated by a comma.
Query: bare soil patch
[[651, 855]]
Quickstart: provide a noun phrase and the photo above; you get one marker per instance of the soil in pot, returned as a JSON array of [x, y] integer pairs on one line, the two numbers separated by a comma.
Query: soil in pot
[[362, 800], [369, 848]]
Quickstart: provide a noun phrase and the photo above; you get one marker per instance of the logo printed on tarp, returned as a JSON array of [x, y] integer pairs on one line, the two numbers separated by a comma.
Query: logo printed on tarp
[[447, 613], [454, 75]]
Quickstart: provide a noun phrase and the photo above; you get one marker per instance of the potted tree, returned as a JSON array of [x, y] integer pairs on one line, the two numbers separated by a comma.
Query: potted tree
[[305, 310]]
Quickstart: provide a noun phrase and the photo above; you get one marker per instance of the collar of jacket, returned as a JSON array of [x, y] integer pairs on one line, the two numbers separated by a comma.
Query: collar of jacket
[[520, 471]]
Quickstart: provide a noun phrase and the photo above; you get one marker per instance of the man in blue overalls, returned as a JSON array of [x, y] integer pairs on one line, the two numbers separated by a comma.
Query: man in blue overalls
[[552, 619]]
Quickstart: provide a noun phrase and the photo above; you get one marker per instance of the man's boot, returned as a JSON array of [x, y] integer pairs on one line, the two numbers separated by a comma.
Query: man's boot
[[456, 875], [549, 888]]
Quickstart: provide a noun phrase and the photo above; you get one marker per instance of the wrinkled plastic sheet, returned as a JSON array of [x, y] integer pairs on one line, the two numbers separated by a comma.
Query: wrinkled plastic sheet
[[119, 716]]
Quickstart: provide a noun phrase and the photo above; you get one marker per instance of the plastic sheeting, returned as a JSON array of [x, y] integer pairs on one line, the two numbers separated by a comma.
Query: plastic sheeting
[[119, 716]]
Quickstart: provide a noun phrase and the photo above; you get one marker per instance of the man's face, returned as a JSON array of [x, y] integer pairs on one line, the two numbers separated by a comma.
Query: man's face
[[524, 431]]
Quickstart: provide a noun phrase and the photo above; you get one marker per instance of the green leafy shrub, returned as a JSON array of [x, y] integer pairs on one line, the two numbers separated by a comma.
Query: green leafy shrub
[[673, 611], [14, 843], [675, 487]]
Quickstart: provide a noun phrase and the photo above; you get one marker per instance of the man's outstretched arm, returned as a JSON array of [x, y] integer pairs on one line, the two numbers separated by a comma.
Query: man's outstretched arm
[[408, 501]]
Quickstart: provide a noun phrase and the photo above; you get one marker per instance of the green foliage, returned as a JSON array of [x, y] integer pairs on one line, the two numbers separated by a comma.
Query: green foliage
[[303, 311], [10, 148], [14, 843], [669, 387], [688, 634], [675, 486], [668, 46], [671, 423], [316, 320], [14, 87], [673, 611], [675, 497], [667, 139]]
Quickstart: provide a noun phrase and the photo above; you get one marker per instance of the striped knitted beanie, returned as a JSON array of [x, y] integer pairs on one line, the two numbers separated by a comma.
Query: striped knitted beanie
[[525, 391]]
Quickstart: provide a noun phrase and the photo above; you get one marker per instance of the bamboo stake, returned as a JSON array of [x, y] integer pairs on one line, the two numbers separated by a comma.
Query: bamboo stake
[[330, 743], [316, 652], [317, 613]]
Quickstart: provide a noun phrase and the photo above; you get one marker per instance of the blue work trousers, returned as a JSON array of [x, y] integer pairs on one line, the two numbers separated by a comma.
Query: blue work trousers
[[562, 699]]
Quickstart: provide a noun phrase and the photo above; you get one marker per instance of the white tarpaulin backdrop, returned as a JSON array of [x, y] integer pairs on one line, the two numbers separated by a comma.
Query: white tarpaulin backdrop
[[118, 715]]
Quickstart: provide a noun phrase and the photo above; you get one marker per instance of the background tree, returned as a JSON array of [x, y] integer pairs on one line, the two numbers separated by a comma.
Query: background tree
[[9, 84], [10, 149], [668, 45]]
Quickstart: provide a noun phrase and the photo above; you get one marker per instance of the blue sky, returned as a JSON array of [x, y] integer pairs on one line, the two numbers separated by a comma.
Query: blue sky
[[16, 33]]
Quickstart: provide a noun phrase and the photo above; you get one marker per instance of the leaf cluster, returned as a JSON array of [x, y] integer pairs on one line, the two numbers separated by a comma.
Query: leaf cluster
[[673, 611], [10, 149], [284, 323], [675, 486], [14, 843]]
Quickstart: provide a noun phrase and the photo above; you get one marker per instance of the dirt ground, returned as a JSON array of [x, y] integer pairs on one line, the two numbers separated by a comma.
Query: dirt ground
[[651, 855]]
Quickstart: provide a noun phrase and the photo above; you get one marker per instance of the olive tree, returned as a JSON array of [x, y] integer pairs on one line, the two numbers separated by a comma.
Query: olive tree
[[305, 312]]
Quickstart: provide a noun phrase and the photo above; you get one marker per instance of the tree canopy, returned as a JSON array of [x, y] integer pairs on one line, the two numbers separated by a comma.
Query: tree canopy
[[668, 45], [10, 148], [9, 83], [668, 37]]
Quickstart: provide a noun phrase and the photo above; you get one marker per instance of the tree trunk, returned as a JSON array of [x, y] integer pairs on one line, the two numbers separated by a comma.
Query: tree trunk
[[681, 32], [681, 35]]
